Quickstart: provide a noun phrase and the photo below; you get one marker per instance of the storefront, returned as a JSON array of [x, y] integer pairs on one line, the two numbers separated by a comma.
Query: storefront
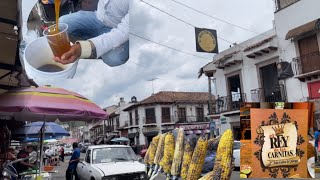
[[199, 128], [167, 128], [133, 136], [149, 132]]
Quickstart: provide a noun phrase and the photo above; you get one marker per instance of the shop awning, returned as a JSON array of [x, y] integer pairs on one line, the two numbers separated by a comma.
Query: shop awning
[[152, 133], [308, 27], [207, 131]]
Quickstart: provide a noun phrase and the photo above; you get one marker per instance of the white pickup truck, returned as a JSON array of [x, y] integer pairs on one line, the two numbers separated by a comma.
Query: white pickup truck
[[111, 162]]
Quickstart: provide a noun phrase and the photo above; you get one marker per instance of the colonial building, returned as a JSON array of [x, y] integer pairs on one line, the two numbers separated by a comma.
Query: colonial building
[[163, 111], [282, 64], [98, 128], [118, 120]]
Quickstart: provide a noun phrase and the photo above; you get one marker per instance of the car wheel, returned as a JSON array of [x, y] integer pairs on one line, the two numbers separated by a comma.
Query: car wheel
[[92, 178]]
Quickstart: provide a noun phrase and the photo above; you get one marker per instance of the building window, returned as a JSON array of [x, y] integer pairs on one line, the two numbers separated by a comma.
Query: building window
[[165, 114], [281, 4], [309, 59], [136, 117], [182, 115], [150, 116], [117, 123], [200, 116], [130, 117]]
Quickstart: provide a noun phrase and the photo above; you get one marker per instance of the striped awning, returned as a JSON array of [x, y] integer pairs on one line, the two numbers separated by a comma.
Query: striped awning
[[33, 104]]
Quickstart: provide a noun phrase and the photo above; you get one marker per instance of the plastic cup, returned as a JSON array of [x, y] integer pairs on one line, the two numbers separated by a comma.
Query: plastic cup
[[59, 41]]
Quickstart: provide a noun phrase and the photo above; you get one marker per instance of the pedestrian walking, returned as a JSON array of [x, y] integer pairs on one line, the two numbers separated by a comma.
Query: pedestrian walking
[[75, 158], [62, 154]]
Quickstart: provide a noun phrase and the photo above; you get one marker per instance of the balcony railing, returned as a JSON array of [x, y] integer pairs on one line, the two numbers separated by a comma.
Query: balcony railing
[[306, 64], [278, 94], [176, 119], [166, 119], [281, 4], [149, 120], [189, 119], [228, 103], [109, 128]]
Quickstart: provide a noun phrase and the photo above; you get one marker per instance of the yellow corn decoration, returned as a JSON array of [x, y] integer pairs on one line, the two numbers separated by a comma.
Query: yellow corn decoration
[[187, 155], [208, 176], [223, 162], [153, 149], [146, 157], [166, 161], [197, 160], [178, 154], [160, 150]]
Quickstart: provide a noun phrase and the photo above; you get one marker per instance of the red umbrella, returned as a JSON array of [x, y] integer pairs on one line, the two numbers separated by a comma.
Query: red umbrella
[[49, 104]]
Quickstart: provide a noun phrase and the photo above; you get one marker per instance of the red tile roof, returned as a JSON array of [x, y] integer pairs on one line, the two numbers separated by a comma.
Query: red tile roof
[[171, 97]]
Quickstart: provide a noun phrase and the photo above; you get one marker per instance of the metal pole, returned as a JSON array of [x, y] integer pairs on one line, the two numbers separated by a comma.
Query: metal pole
[[210, 96], [104, 130]]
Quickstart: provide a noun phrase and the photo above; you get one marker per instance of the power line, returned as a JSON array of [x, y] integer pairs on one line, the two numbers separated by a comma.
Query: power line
[[221, 20], [182, 20], [169, 47]]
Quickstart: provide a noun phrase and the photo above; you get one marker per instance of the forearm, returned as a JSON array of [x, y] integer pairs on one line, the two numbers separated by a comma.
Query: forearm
[[116, 37], [75, 160]]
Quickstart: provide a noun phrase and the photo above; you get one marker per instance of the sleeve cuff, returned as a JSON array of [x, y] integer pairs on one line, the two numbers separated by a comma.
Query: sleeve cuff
[[86, 49]]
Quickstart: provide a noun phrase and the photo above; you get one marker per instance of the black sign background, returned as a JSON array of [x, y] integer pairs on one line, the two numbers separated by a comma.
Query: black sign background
[[213, 32]]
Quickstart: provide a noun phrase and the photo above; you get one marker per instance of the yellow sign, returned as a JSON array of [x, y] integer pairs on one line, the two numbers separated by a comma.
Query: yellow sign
[[206, 40]]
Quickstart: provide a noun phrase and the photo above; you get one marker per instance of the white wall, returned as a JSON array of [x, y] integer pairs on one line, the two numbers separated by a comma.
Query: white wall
[[190, 111], [297, 14], [250, 75]]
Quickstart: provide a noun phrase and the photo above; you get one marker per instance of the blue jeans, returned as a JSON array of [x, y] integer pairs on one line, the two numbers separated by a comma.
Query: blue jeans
[[85, 25]]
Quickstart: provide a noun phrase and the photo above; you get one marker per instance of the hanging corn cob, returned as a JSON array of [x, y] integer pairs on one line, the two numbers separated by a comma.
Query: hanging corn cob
[[153, 149], [166, 161], [159, 154], [189, 145], [197, 160], [146, 159], [178, 154], [187, 155], [223, 163], [208, 176]]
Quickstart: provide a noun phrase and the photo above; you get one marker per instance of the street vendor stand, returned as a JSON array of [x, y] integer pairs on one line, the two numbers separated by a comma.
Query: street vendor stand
[[48, 104]]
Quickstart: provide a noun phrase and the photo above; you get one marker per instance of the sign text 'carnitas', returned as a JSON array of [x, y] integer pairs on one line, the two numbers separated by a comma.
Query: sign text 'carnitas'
[[280, 145]]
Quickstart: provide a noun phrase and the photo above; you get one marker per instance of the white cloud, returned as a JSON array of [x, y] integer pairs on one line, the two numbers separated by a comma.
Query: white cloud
[[175, 71]]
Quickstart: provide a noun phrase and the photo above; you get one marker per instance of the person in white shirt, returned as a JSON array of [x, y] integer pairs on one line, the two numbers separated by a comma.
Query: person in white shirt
[[104, 33]]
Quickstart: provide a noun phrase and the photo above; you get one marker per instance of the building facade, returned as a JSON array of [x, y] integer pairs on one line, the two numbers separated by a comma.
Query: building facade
[[299, 39], [282, 64], [164, 111]]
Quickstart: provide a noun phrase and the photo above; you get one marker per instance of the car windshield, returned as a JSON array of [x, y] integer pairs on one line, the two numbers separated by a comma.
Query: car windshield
[[236, 145], [113, 154]]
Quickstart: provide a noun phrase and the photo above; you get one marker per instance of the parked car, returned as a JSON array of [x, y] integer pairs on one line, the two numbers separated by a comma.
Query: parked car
[[236, 153], [68, 151], [103, 162]]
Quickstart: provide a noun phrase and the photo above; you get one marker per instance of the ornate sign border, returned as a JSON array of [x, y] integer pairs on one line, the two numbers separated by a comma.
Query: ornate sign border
[[259, 140]]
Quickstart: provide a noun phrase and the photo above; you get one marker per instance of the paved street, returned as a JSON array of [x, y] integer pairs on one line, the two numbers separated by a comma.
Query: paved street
[[60, 175]]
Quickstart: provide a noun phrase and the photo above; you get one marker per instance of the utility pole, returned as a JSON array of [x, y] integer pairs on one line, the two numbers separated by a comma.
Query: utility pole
[[153, 79], [210, 96]]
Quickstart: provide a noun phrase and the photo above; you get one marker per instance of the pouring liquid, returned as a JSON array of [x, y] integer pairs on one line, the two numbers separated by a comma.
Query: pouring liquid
[[57, 4]]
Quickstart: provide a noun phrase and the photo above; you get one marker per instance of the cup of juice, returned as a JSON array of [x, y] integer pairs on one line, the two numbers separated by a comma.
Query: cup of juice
[[58, 39]]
